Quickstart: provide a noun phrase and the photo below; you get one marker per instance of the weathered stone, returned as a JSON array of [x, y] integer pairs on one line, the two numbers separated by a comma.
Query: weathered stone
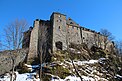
[[61, 33], [7, 56]]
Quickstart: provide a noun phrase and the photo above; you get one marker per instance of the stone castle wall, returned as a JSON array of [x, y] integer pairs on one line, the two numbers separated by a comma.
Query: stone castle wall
[[44, 41], [59, 31], [74, 34], [62, 32], [33, 47]]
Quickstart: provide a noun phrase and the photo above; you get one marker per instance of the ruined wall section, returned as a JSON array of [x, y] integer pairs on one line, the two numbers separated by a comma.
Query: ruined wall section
[[33, 48], [44, 41], [62, 32], [91, 38], [110, 46], [26, 38], [59, 31], [88, 37], [73, 34], [101, 41]]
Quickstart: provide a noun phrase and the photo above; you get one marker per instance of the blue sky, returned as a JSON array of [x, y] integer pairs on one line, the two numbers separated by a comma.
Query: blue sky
[[93, 14]]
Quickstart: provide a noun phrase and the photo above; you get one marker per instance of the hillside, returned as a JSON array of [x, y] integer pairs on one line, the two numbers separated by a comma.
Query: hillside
[[78, 63], [90, 64]]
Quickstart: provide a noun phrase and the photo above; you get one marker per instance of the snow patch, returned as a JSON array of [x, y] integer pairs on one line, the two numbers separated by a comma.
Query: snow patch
[[86, 62], [22, 77], [72, 78]]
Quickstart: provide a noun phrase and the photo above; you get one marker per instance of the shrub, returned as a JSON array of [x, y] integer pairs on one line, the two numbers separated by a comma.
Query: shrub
[[33, 61], [60, 71], [23, 68]]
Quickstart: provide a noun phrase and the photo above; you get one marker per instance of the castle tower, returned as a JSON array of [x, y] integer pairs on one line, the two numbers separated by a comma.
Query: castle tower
[[58, 22], [33, 47]]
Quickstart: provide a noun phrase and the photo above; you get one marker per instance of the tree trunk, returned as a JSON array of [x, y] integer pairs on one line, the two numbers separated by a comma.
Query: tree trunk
[[76, 70], [74, 64], [41, 66], [12, 74]]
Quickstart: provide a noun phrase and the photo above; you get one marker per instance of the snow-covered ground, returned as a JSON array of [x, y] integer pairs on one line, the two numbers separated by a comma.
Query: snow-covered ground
[[86, 62], [91, 76], [21, 77], [30, 77]]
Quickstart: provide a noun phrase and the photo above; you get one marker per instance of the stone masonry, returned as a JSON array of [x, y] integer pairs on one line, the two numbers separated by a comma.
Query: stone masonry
[[60, 33]]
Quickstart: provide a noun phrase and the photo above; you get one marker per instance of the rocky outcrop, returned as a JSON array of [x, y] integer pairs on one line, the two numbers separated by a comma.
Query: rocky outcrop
[[7, 56], [95, 64]]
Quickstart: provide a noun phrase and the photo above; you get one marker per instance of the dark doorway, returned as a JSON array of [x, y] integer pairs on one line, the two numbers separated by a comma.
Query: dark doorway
[[59, 45]]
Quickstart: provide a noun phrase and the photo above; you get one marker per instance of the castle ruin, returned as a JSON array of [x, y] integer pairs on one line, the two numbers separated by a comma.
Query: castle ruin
[[60, 32]]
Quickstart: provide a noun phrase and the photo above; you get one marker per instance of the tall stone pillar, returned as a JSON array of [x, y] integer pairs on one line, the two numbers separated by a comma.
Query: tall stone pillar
[[33, 48]]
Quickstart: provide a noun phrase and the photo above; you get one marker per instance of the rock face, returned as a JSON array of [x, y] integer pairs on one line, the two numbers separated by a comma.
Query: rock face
[[90, 64], [7, 56]]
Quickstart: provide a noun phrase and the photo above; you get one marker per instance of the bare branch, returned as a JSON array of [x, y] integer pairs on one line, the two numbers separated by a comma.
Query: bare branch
[[13, 38], [108, 36], [14, 33]]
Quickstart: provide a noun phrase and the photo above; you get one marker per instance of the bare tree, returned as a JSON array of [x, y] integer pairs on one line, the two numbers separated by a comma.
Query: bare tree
[[108, 36], [14, 33], [43, 38], [119, 47], [13, 38]]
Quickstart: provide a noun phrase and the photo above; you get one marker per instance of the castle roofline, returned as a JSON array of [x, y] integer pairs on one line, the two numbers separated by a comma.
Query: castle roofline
[[73, 25], [58, 13], [86, 29], [42, 20], [71, 22]]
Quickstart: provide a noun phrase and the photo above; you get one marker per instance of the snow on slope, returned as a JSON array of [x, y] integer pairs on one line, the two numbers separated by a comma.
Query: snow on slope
[[21, 77], [30, 76]]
